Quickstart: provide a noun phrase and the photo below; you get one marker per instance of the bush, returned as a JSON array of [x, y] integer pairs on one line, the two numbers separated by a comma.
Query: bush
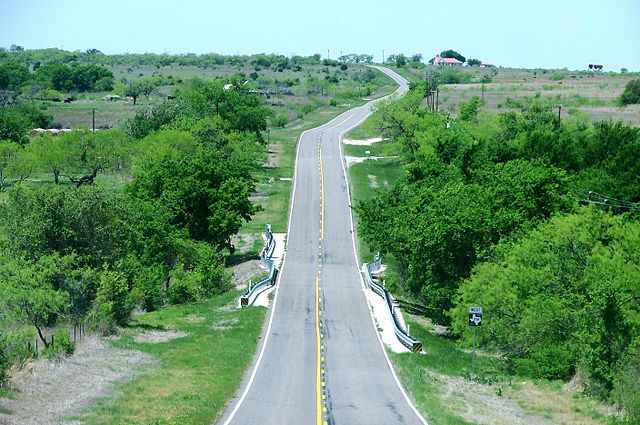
[[452, 75], [113, 304], [185, 289], [62, 345], [627, 386], [13, 349], [631, 93], [149, 287], [280, 120], [50, 94]]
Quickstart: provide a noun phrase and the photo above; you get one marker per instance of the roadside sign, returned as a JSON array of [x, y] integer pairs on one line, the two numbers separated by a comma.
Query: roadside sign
[[475, 319], [475, 310]]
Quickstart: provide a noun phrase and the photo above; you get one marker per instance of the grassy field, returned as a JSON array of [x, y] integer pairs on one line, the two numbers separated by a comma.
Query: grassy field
[[194, 376], [592, 94], [290, 92]]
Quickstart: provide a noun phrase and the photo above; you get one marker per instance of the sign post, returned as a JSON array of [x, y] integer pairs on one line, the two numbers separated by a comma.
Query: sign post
[[475, 320]]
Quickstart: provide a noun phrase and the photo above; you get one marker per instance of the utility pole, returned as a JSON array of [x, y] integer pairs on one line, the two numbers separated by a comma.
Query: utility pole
[[383, 56], [93, 120], [328, 54]]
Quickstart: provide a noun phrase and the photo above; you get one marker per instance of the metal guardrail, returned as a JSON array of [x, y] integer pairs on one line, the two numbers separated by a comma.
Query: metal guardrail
[[407, 340], [265, 260]]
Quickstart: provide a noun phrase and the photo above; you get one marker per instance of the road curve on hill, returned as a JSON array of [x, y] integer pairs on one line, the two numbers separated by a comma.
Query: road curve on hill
[[321, 360]]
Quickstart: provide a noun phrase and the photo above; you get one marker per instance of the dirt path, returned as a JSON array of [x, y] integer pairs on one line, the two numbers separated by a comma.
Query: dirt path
[[52, 392]]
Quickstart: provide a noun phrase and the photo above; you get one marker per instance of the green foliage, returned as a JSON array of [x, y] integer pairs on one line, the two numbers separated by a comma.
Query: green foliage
[[627, 385], [17, 120], [207, 190], [149, 284], [185, 287], [13, 76], [90, 222], [474, 62], [631, 93], [280, 120], [563, 296], [62, 345], [469, 110], [13, 349], [113, 304], [61, 77], [453, 54], [452, 75], [83, 154], [15, 163], [28, 294]]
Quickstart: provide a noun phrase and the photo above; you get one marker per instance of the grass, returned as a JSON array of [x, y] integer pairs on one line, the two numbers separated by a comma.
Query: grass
[[368, 129], [194, 376], [441, 380]]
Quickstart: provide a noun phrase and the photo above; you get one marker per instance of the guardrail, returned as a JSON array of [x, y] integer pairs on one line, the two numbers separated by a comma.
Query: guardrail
[[248, 297], [407, 340]]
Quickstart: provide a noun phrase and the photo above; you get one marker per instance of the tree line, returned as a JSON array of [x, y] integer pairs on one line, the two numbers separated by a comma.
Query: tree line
[[95, 225], [531, 217]]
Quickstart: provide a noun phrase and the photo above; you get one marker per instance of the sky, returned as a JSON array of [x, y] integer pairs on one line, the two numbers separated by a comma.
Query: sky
[[509, 33]]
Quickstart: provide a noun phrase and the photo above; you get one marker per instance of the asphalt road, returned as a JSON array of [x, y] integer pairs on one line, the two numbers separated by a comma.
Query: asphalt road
[[322, 360]]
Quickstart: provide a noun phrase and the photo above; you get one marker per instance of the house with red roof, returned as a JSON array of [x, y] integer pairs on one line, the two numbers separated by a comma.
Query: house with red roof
[[438, 60]]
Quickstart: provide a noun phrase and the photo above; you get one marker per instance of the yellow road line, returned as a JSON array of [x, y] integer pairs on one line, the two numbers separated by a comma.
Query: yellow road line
[[339, 124], [319, 358], [321, 195]]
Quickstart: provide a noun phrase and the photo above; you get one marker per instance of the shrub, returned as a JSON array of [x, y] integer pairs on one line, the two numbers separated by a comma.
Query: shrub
[[62, 345], [13, 349], [280, 120], [627, 386], [149, 287], [113, 303], [185, 289], [631, 93], [50, 94]]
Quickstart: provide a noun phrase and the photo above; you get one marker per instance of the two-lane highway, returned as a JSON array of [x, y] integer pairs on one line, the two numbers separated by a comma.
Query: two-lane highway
[[322, 360]]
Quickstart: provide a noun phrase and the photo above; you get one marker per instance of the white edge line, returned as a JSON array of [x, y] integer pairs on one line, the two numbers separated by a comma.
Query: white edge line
[[355, 255], [275, 298]]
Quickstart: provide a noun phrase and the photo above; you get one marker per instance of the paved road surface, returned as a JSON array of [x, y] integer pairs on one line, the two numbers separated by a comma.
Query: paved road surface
[[322, 360]]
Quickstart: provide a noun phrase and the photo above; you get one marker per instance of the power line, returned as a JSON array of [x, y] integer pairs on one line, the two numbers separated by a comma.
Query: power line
[[591, 197]]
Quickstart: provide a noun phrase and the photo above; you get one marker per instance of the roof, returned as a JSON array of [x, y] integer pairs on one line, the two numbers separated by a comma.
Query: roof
[[440, 59]]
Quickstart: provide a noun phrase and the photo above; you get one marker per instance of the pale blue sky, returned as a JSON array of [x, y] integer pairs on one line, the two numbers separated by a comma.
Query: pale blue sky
[[541, 33]]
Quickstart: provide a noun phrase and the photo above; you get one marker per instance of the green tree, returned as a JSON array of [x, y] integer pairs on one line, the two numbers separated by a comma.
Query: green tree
[[13, 76], [207, 190], [453, 54], [631, 93], [562, 296], [56, 76], [113, 304], [29, 296], [50, 154], [16, 163], [400, 60], [86, 154]]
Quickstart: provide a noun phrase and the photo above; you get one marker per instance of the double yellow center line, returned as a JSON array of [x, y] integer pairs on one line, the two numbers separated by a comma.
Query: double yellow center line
[[321, 193], [320, 381]]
